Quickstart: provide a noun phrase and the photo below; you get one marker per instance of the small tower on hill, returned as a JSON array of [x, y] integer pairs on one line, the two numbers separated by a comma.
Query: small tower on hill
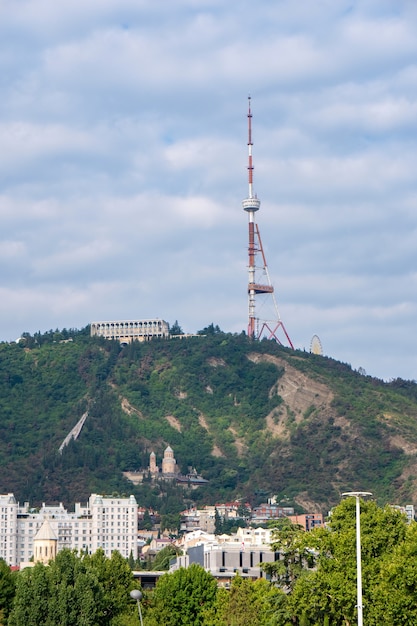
[[153, 468]]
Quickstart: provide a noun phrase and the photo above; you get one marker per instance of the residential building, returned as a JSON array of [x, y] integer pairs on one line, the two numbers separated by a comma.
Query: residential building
[[408, 510], [269, 511], [104, 522], [308, 521]]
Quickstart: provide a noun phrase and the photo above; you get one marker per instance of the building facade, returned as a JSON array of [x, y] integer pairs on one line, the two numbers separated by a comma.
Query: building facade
[[224, 559], [308, 521], [104, 522], [130, 330]]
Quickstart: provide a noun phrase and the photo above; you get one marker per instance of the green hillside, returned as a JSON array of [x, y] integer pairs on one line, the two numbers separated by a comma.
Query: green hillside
[[255, 419]]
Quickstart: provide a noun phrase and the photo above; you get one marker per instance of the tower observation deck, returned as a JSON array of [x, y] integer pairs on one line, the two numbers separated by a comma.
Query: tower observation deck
[[257, 286]]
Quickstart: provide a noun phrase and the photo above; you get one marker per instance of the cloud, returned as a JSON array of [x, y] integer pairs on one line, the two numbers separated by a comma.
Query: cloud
[[124, 164]]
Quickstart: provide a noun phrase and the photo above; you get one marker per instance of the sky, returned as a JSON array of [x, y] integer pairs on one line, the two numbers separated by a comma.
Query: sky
[[123, 126]]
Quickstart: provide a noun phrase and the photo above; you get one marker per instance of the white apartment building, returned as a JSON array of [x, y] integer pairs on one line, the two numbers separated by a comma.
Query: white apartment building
[[104, 522]]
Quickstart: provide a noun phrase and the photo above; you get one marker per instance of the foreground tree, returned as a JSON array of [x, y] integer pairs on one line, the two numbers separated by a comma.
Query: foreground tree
[[7, 590], [74, 590], [328, 593], [181, 598], [395, 596], [289, 543], [257, 603]]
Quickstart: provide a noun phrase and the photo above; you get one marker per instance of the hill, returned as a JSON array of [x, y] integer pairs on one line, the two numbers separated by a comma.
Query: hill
[[254, 418]]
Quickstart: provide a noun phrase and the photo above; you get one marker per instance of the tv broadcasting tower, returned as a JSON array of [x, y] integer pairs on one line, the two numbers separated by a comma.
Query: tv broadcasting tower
[[258, 328]]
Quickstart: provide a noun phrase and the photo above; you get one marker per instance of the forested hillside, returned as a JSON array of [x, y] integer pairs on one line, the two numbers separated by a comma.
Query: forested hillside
[[255, 419]]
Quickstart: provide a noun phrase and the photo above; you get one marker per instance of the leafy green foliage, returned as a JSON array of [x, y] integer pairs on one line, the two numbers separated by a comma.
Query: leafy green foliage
[[329, 591], [7, 589], [73, 590], [395, 595], [176, 329], [288, 542], [248, 602], [164, 557], [182, 598]]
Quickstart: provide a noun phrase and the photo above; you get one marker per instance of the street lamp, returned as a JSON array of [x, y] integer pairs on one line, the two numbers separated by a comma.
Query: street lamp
[[137, 595], [357, 495]]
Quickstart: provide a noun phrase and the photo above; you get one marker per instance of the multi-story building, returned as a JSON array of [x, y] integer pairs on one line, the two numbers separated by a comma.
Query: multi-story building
[[269, 511], [104, 522], [308, 520], [131, 330], [408, 510], [241, 553], [8, 528]]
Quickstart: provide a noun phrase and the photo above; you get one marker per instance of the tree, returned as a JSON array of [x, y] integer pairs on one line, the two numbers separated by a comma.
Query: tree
[[7, 589], [288, 542], [171, 522], [115, 578], [181, 597], [329, 592], [146, 523], [211, 329], [176, 329], [164, 556], [395, 596], [218, 523], [31, 601], [250, 602], [73, 590]]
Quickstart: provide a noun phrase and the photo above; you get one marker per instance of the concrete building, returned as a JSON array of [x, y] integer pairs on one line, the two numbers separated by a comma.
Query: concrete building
[[104, 522], [408, 510], [308, 521], [131, 330], [223, 557], [269, 511], [8, 528]]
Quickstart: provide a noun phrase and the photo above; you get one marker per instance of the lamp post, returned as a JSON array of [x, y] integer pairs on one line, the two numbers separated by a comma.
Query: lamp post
[[137, 595], [357, 495]]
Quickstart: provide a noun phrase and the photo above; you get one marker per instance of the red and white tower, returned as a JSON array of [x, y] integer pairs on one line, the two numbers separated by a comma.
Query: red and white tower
[[258, 328]]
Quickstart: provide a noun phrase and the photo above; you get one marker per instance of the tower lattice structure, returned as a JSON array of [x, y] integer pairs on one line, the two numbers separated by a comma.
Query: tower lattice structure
[[257, 327]]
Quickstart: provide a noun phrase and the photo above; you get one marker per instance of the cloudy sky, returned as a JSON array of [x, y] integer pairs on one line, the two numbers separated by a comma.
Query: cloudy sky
[[123, 126]]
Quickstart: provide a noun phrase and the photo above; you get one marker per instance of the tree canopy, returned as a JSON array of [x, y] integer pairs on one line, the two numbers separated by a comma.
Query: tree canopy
[[73, 590], [182, 597], [328, 592]]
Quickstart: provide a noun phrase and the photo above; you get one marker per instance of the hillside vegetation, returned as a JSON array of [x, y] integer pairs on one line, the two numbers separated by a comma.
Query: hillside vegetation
[[255, 419]]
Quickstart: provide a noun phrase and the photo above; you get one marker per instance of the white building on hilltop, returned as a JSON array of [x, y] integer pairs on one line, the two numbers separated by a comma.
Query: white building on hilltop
[[131, 330], [104, 522]]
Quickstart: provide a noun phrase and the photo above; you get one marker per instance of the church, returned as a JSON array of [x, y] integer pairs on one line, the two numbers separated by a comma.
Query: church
[[169, 465]]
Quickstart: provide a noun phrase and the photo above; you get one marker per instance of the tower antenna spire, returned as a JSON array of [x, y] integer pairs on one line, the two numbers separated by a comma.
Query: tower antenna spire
[[250, 144], [258, 328]]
